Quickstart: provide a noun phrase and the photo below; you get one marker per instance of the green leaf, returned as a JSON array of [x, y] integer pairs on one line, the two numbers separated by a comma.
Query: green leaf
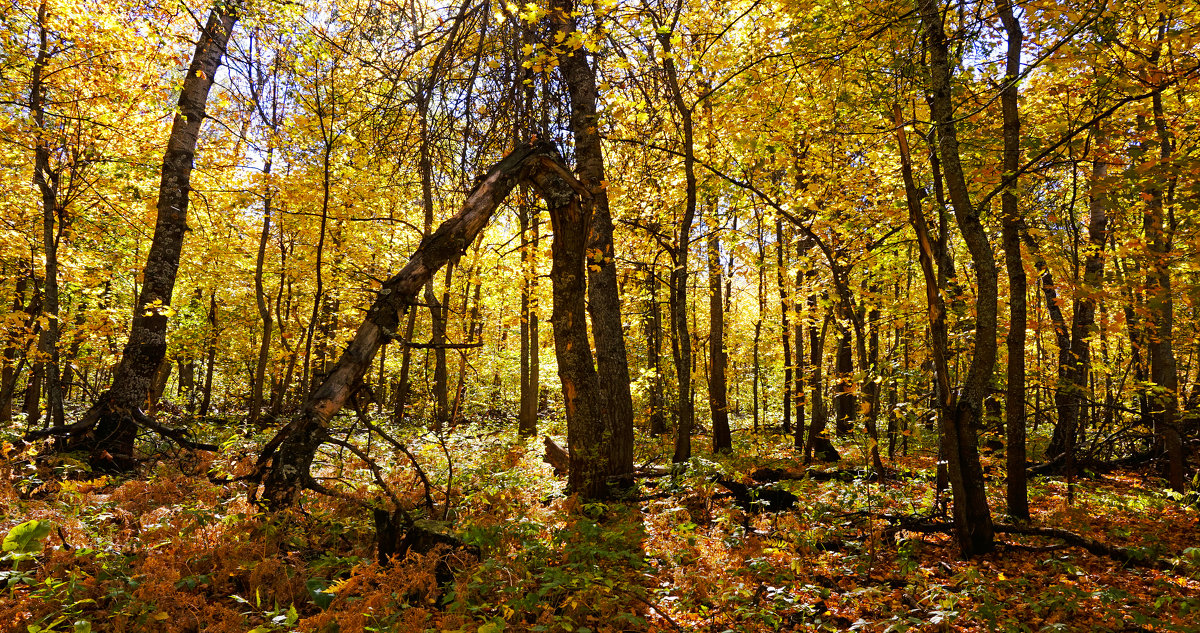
[[83, 626], [26, 538], [316, 591]]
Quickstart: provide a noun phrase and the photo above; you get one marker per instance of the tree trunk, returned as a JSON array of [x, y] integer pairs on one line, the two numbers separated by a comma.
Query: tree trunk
[[287, 459], [1158, 226], [582, 396], [1014, 414], [679, 273], [206, 396], [404, 384], [260, 296], [110, 422], [845, 404], [818, 443], [972, 516], [527, 422], [437, 312], [47, 182], [604, 303], [801, 364], [718, 399], [14, 341], [785, 332], [758, 323], [652, 325]]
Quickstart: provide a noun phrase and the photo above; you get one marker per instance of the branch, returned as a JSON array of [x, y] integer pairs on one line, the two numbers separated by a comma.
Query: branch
[[179, 436]]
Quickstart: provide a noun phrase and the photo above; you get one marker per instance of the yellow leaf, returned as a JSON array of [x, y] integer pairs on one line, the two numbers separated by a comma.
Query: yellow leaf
[[160, 616]]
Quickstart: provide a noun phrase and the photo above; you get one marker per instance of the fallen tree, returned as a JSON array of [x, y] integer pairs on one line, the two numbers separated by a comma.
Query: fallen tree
[[284, 468], [1124, 555]]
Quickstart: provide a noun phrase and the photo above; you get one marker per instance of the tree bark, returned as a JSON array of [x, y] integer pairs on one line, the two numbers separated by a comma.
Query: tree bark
[[818, 443], [652, 326], [527, 422], [211, 362], [604, 302], [845, 404], [14, 341], [972, 516], [1158, 226], [718, 398], [260, 296], [587, 429], [785, 332], [1017, 494], [47, 182], [679, 273]]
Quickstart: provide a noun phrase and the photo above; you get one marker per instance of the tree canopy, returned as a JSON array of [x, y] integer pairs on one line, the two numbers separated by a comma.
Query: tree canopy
[[848, 310]]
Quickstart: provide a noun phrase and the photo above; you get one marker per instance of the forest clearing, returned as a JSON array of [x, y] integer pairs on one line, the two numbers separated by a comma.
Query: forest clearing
[[599, 315]]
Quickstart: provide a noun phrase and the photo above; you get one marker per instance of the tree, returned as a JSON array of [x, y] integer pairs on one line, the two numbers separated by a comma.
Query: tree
[[972, 517], [109, 428], [286, 461], [604, 303]]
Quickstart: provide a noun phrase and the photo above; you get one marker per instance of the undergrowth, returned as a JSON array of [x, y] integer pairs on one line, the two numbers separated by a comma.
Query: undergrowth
[[168, 551]]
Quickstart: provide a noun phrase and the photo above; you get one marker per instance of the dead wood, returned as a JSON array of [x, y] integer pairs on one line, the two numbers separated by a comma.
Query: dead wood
[[1124, 555], [557, 456]]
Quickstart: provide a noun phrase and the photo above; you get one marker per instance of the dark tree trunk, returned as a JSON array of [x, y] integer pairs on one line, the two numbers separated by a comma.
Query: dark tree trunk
[[582, 396], [845, 404], [260, 296], [785, 332], [718, 400], [47, 181], [801, 364], [211, 361], [1158, 226], [652, 325], [15, 341], [818, 444], [404, 384], [1014, 415], [472, 331], [758, 323], [437, 312], [681, 337], [110, 422], [530, 376], [604, 303], [972, 516]]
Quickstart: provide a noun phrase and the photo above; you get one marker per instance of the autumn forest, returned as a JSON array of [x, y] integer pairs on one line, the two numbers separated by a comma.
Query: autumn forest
[[599, 315]]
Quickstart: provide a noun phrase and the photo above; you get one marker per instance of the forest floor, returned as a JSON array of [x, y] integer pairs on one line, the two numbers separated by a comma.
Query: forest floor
[[169, 550]]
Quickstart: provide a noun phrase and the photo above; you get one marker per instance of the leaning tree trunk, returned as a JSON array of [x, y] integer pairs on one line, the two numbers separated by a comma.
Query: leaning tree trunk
[[287, 459], [111, 423]]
